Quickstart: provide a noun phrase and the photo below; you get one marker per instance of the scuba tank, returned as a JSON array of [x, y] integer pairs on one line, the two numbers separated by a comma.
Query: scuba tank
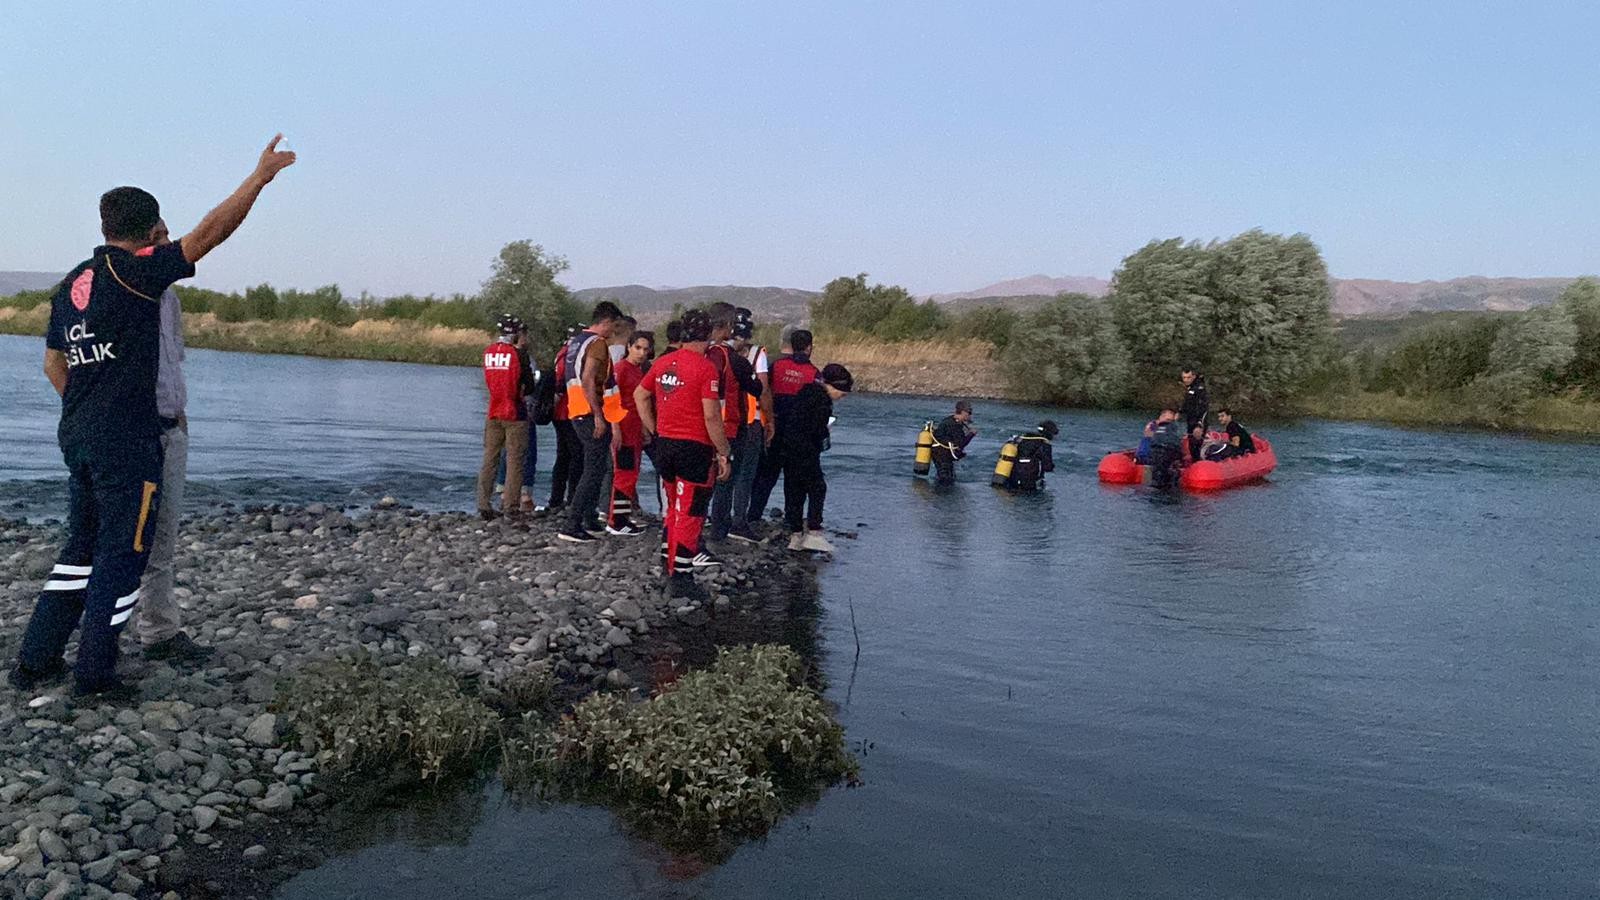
[[924, 457], [1008, 460]]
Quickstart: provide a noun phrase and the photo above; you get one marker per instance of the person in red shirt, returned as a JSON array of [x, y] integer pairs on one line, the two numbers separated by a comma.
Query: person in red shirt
[[505, 429], [680, 402], [789, 374], [629, 445]]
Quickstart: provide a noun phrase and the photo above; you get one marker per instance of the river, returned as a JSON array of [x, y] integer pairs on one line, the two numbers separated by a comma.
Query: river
[[1373, 676]]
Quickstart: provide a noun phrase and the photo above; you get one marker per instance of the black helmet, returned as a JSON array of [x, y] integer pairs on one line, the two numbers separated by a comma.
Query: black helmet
[[1049, 429], [696, 326], [510, 326]]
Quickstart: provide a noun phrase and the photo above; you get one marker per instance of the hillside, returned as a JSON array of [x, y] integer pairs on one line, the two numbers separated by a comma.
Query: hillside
[[15, 282], [1365, 297], [653, 305], [1033, 286]]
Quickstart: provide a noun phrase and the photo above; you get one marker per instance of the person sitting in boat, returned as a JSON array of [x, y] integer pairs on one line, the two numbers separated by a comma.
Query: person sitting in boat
[[1035, 457], [1236, 439], [1168, 448]]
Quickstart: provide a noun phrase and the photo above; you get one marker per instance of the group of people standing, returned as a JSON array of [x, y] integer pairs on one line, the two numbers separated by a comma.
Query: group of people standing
[[720, 422]]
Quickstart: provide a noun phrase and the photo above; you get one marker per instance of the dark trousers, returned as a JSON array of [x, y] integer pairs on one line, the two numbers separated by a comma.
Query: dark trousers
[[730, 504], [111, 517], [767, 474], [568, 466], [1165, 467], [804, 489], [596, 466], [944, 466]]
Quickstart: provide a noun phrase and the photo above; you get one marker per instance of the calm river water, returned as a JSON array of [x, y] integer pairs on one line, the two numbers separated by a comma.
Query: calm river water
[[1374, 676]]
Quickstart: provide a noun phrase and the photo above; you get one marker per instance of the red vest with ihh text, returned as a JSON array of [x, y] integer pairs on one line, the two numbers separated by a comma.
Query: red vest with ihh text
[[502, 373]]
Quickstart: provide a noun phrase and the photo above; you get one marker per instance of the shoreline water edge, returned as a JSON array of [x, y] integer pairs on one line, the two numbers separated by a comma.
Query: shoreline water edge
[[201, 790]]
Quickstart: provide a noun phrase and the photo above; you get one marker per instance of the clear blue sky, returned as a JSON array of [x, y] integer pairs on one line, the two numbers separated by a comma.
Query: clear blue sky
[[939, 146]]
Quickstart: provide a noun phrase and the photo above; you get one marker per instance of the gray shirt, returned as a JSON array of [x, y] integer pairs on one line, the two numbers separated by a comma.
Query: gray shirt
[[172, 395]]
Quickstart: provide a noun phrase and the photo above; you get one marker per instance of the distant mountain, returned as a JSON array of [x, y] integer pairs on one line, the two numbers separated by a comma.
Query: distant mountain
[[1351, 296], [14, 282], [1034, 286], [1367, 297], [770, 304]]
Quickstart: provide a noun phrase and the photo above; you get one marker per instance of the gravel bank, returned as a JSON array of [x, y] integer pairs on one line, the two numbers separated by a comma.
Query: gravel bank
[[153, 800]]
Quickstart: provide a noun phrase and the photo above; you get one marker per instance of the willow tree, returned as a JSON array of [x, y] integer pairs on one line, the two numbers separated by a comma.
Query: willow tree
[[1252, 312], [524, 284]]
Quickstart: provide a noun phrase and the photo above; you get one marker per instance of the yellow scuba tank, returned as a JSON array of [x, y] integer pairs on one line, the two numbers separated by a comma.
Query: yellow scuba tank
[[1008, 459], [924, 458]]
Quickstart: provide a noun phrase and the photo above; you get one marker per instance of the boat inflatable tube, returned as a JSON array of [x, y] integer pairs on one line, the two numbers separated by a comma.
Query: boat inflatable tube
[[1205, 475]]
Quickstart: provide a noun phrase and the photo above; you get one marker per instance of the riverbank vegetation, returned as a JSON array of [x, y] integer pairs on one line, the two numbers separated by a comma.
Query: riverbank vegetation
[[721, 753], [718, 755], [1251, 311]]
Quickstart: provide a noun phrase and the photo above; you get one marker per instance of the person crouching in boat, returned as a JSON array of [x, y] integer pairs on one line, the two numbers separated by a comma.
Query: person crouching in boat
[[1237, 440], [1035, 457], [950, 440], [1168, 448]]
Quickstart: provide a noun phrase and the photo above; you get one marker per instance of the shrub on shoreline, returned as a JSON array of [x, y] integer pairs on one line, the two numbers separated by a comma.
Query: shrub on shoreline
[[715, 755], [364, 717]]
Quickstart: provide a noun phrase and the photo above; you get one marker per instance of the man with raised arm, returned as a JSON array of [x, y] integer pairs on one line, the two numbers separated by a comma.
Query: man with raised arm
[[103, 352]]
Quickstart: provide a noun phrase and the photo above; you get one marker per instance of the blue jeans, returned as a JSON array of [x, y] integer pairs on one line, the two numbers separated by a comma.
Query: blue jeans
[[730, 505], [530, 461], [111, 519]]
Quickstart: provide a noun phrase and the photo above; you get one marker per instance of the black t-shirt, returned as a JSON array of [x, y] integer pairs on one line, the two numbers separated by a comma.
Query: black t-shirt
[[106, 317], [1245, 442]]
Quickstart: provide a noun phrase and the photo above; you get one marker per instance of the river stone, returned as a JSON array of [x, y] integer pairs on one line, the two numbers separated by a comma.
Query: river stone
[[627, 609], [263, 730], [141, 811], [102, 871], [616, 637], [167, 762], [204, 818], [53, 847], [250, 787], [255, 851], [74, 822], [307, 602], [280, 798], [124, 788], [385, 617]]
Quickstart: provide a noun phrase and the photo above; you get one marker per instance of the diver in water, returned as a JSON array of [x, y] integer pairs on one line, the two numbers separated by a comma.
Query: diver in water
[[1168, 447], [1035, 458], [950, 440]]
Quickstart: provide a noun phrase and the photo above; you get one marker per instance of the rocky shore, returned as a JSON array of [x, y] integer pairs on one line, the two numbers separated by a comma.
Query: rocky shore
[[156, 800]]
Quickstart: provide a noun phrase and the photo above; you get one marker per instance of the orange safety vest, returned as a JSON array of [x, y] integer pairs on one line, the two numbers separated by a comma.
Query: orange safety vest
[[752, 406], [577, 401]]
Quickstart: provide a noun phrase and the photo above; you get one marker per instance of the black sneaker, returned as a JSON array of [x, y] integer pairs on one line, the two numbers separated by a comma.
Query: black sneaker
[[27, 679], [179, 648], [702, 560], [488, 515], [115, 692], [744, 534], [577, 537]]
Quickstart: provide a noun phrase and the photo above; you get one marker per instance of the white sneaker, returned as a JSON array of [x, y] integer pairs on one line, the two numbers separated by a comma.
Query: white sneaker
[[816, 543], [797, 541], [625, 531], [704, 561]]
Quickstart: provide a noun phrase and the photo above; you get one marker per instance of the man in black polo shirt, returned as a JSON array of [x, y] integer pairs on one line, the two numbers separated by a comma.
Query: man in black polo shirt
[[102, 355]]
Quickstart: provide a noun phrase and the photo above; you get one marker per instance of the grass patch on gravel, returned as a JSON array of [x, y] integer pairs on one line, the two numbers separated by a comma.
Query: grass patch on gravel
[[721, 754], [365, 717]]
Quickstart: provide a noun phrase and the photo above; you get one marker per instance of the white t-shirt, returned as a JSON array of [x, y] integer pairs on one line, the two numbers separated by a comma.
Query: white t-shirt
[[758, 358], [618, 351]]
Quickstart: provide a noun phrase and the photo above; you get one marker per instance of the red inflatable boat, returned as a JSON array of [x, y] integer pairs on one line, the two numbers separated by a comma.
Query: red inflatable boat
[[1205, 475]]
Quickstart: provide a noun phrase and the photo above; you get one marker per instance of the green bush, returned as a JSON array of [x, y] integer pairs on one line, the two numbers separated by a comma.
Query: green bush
[[365, 717], [26, 299], [994, 324], [714, 755], [883, 311], [1440, 357], [1068, 352]]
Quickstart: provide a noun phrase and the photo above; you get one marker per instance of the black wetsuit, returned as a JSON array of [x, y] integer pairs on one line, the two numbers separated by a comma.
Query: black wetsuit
[[950, 439], [799, 448], [1035, 457], [1166, 454], [1196, 405]]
